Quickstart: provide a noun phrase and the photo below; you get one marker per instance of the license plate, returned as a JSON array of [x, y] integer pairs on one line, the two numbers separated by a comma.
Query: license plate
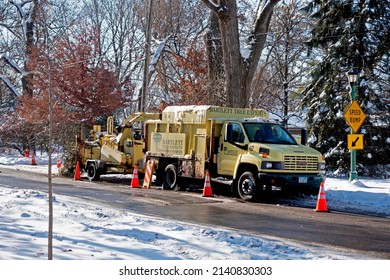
[[302, 180]]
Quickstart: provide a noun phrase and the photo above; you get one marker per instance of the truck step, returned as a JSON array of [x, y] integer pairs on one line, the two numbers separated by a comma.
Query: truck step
[[222, 180]]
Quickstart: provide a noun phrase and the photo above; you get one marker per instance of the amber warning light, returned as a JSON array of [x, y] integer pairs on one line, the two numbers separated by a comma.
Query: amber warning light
[[264, 152]]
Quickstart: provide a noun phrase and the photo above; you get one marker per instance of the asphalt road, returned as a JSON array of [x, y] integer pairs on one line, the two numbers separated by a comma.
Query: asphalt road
[[348, 232]]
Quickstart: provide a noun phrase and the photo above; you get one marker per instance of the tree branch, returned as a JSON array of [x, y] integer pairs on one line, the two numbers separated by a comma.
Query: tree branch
[[263, 17], [259, 34], [11, 63], [9, 85], [218, 9], [212, 5]]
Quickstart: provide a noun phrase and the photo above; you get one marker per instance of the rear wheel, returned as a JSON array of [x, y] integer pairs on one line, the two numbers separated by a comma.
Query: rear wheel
[[93, 173], [247, 186], [170, 177]]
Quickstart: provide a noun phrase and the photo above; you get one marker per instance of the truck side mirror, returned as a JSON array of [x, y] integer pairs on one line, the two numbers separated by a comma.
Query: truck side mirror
[[303, 136], [300, 135]]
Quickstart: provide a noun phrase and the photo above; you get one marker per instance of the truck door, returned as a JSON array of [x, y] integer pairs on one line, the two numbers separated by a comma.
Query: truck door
[[231, 145]]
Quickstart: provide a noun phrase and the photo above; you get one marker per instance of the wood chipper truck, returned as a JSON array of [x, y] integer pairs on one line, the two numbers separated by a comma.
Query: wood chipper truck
[[115, 151], [238, 147]]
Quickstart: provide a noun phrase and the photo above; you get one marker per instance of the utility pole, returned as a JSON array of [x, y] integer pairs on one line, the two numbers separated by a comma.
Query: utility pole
[[145, 83]]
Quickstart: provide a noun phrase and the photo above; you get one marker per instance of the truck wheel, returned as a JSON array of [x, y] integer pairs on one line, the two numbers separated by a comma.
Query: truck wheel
[[247, 186], [170, 177], [93, 173]]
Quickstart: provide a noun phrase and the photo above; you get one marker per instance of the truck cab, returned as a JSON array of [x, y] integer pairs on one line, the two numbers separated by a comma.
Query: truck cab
[[260, 154]]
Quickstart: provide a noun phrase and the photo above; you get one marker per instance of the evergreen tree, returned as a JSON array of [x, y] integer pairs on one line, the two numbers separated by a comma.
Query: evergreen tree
[[349, 34]]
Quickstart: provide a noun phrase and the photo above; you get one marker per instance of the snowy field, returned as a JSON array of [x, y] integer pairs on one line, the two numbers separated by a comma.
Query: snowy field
[[83, 231]]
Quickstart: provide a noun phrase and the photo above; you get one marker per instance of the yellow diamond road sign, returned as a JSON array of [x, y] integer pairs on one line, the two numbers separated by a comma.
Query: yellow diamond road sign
[[354, 116], [355, 141]]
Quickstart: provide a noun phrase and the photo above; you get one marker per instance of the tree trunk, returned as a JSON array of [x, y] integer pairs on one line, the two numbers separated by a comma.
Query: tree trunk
[[216, 73], [27, 78], [231, 52], [239, 74], [257, 41], [29, 33]]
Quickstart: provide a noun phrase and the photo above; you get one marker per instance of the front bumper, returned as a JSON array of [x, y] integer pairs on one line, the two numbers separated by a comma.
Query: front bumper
[[291, 180]]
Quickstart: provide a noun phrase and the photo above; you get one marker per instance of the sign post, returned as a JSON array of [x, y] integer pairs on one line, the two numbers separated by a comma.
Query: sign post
[[355, 117]]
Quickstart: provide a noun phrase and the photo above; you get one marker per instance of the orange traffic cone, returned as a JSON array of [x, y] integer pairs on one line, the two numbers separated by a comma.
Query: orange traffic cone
[[58, 163], [77, 175], [321, 201], [33, 162], [134, 180], [207, 192], [27, 152]]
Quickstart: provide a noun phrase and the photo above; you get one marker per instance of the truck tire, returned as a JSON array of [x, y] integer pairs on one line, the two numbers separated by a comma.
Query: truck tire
[[170, 177], [247, 186], [93, 173]]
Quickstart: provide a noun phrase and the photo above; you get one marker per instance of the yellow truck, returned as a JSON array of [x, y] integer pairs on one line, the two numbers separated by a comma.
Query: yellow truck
[[238, 147]]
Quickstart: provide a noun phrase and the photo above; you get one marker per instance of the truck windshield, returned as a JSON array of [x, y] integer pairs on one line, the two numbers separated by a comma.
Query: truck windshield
[[268, 133]]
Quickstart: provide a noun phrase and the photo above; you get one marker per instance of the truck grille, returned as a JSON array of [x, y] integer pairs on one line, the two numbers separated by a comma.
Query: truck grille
[[300, 163]]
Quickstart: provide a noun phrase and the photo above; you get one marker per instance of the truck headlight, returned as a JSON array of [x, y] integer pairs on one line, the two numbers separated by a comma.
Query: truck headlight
[[321, 166], [271, 165]]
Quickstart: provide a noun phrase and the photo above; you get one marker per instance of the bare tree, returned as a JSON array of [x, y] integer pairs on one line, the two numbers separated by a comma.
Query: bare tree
[[283, 71], [239, 71], [18, 20], [177, 29], [122, 40]]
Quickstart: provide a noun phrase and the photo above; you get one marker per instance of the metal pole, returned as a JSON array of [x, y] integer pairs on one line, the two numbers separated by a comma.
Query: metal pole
[[353, 173], [145, 84], [49, 172]]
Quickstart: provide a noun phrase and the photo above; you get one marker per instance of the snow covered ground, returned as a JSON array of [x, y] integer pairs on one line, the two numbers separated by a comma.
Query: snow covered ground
[[83, 231]]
